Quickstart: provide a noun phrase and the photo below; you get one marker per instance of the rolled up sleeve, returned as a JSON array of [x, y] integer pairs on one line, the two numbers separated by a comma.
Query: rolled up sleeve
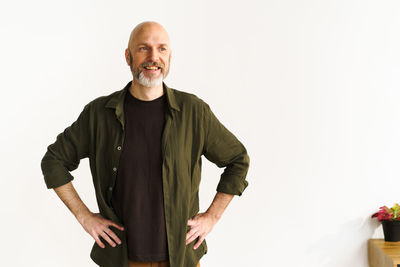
[[225, 150], [64, 155]]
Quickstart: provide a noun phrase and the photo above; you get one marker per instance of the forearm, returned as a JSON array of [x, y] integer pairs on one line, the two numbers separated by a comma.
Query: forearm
[[71, 199], [219, 204]]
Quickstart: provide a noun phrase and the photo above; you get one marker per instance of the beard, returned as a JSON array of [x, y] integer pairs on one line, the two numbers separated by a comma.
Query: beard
[[139, 76], [148, 82]]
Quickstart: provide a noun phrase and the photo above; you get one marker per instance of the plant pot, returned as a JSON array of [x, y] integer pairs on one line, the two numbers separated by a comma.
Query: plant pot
[[391, 230]]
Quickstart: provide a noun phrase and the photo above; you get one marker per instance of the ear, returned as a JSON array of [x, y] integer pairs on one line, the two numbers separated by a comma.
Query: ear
[[127, 56]]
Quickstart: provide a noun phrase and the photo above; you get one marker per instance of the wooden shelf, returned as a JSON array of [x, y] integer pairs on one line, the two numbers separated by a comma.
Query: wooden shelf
[[383, 254]]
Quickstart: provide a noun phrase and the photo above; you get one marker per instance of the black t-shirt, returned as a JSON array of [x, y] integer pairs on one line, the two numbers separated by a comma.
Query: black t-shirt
[[138, 194]]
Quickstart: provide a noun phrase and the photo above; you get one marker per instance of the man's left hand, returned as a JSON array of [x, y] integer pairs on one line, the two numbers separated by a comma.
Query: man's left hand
[[201, 225]]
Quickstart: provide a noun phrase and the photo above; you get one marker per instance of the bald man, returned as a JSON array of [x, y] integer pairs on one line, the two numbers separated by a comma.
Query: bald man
[[144, 145]]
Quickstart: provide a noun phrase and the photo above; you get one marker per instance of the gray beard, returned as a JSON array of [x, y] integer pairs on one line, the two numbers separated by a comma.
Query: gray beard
[[147, 82]]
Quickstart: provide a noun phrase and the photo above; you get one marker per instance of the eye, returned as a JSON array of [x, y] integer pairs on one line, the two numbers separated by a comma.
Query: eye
[[163, 49], [142, 48]]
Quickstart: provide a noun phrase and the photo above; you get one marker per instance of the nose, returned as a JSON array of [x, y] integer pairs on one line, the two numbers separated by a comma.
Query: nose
[[153, 55]]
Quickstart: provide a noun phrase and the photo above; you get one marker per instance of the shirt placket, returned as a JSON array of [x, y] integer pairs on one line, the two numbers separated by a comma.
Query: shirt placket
[[166, 186], [117, 149]]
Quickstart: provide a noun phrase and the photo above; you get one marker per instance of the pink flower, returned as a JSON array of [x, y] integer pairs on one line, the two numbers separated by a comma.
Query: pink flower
[[386, 214]]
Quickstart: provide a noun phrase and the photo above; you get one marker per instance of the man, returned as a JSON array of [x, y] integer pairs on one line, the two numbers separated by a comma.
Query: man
[[144, 145]]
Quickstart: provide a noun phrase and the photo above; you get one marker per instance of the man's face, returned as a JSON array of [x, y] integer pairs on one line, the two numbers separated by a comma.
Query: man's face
[[150, 56]]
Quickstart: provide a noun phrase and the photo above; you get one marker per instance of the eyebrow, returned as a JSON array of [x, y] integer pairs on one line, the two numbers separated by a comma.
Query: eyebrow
[[162, 44]]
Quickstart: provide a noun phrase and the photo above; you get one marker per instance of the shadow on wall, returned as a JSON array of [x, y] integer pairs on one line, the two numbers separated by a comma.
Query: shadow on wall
[[347, 247]]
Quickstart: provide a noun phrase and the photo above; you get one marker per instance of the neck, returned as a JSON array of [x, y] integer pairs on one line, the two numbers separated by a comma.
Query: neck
[[145, 93]]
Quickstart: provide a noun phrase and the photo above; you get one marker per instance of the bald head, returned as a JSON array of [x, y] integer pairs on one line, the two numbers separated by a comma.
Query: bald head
[[145, 30], [149, 47]]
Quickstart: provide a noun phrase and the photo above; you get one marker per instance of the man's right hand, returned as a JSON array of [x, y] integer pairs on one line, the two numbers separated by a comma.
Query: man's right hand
[[96, 225], [93, 223]]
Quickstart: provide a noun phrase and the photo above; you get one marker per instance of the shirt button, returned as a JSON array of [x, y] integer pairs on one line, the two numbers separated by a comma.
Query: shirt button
[[115, 169], [110, 188], [119, 147]]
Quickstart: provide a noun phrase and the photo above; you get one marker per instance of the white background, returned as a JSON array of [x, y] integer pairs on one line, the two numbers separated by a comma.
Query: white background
[[311, 88]]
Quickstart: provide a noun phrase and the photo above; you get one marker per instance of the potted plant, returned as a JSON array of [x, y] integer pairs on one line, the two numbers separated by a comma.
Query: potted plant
[[390, 218]]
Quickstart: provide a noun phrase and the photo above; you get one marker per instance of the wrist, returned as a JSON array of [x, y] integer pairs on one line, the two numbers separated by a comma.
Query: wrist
[[213, 215], [83, 216]]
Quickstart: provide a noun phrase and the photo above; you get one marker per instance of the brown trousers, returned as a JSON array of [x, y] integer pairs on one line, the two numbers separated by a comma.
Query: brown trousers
[[152, 264]]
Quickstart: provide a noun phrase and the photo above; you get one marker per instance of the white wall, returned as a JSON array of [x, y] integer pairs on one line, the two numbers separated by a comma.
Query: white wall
[[311, 88]]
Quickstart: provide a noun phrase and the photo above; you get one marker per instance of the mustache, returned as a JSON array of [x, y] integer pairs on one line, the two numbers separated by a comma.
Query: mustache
[[152, 64]]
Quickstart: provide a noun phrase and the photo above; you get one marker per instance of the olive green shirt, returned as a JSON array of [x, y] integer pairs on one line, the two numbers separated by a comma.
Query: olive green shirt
[[191, 130]]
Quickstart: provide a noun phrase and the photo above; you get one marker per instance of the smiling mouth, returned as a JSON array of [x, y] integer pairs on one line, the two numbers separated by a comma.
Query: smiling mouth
[[152, 68]]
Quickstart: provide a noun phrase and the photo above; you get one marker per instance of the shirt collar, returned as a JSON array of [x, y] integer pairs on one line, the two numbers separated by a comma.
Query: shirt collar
[[117, 100]]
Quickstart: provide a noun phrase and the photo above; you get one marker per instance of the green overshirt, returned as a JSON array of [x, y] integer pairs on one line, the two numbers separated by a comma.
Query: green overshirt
[[191, 130]]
